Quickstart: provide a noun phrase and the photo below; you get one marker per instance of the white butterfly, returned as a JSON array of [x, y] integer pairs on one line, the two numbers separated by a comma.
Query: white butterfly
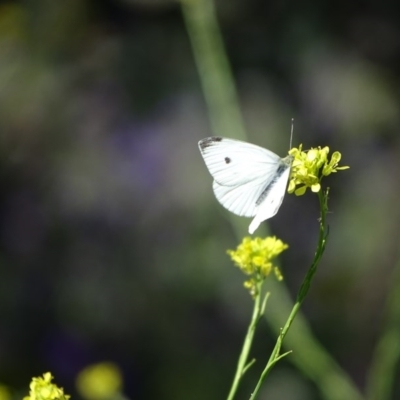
[[248, 180]]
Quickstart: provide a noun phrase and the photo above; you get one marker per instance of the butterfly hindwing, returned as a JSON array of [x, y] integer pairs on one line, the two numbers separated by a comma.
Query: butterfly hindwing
[[272, 201]]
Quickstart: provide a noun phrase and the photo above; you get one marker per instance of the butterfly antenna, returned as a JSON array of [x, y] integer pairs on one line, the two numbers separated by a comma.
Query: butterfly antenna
[[291, 134]]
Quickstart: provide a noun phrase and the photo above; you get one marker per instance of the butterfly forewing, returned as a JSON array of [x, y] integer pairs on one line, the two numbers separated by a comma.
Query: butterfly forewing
[[233, 162]]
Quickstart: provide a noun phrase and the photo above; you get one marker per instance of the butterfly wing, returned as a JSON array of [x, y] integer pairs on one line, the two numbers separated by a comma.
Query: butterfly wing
[[233, 162], [242, 173]]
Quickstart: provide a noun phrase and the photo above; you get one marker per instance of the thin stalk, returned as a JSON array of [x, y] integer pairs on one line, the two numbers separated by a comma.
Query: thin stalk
[[243, 365], [309, 356], [276, 354]]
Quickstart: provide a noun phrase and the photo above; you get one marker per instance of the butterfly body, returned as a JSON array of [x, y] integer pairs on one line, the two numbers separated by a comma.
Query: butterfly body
[[249, 180]]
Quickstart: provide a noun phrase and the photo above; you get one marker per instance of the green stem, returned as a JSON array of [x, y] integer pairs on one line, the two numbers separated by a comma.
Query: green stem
[[309, 356], [243, 366], [323, 235], [387, 353], [213, 67], [276, 355]]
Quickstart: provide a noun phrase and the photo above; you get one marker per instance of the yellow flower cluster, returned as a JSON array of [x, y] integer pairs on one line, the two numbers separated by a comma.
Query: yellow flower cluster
[[254, 257], [43, 389], [308, 168]]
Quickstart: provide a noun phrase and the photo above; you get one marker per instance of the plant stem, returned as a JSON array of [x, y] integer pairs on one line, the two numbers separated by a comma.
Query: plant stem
[[242, 365], [309, 356], [276, 355]]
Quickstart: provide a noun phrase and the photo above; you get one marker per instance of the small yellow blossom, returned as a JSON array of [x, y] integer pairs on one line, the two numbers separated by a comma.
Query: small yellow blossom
[[308, 168], [99, 381], [41, 388], [254, 257]]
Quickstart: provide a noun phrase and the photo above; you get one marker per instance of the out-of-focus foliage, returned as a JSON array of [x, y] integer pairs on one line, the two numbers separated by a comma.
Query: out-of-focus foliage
[[5, 393], [112, 246]]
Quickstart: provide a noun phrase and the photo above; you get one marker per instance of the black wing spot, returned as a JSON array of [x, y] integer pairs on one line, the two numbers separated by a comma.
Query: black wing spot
[[207, 142], [227, 160]]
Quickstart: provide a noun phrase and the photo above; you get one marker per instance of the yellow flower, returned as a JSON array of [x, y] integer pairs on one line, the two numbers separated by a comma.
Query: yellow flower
[[308, 168], [254, 257], [43, 389], [99, 381]]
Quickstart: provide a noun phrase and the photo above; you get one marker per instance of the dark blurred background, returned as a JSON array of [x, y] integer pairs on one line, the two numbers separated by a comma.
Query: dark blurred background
[[112, 246]]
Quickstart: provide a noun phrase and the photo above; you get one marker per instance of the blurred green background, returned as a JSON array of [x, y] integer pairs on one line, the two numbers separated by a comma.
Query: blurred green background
[[112, 244]]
